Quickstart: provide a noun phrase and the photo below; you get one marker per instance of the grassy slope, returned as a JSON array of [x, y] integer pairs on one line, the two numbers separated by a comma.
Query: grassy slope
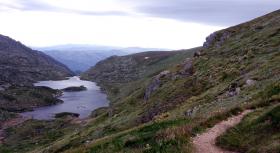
[[251, 51], [34, 133], [139, 72], [247, 51], [97, 127], [259, 132]]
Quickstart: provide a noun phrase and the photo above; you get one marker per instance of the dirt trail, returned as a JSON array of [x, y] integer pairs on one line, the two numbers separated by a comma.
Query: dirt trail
[[10, 123], [205, 142]]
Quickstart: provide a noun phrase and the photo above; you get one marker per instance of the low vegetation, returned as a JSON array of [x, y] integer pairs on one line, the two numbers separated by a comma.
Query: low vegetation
[[33, 133], [18, 99], [258, 132], [159, 102]]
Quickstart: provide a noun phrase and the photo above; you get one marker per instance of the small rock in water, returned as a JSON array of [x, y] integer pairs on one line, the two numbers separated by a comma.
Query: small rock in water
[[74, 89]]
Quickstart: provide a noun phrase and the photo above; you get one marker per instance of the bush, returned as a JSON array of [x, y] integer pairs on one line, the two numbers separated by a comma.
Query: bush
[[273, 117], [271, 90]]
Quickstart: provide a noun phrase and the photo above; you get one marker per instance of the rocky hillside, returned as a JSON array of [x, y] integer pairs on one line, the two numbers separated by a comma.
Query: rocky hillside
[[22, 65], [122, 69], [128, 71], [159, 106]]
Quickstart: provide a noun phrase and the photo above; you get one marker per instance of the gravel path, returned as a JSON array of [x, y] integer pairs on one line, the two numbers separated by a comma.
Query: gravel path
[[205, 142]]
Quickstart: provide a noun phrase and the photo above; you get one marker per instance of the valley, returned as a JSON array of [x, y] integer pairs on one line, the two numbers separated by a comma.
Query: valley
[[224, 95]]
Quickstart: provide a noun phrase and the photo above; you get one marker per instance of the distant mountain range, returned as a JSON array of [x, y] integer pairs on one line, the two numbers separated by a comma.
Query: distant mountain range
[[80, 58]]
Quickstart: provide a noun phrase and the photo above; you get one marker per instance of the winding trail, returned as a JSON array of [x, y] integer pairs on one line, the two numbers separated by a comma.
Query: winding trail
[[205, 142]]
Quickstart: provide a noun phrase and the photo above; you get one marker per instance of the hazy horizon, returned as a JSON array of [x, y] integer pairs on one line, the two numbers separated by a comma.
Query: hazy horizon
[[180, 24]]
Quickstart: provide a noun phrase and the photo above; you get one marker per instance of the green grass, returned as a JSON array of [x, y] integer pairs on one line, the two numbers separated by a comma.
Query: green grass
[[132, 124], [257, 133], [34, 133]]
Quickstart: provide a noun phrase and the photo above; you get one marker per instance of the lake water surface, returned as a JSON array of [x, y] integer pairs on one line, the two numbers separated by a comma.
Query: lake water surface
[[82, 102]]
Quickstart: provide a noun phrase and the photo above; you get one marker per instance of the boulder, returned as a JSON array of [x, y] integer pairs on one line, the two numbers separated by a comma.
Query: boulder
[[250, 82], [187, 69]]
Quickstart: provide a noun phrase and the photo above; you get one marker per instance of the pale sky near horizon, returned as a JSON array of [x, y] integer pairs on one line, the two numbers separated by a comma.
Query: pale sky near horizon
[[170, 24]]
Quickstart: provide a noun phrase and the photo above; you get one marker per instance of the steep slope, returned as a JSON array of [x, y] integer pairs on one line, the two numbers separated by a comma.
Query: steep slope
[[159, 106], [22, 65], [234, 69]]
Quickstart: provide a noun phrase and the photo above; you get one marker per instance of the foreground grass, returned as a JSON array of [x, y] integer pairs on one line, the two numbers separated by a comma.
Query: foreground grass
[[33, 134], [257, 133]]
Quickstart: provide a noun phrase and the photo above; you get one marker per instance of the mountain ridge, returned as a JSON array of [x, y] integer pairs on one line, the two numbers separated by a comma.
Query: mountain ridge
[[22, 65], [79, 58]]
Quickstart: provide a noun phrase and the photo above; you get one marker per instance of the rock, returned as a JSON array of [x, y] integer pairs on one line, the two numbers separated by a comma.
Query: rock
[[188, 113], [217, 39], [233, 90], [250, 82], [163, 73], [197, 54], [154, 85], [191, 112], [238, 90], [74, 89], [187, 69]]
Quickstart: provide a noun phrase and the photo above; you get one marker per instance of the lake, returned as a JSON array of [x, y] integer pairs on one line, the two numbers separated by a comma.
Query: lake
[[81, 102]]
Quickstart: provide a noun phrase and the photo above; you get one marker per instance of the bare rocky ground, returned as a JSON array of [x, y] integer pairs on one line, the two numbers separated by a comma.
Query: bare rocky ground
[[205, 142]]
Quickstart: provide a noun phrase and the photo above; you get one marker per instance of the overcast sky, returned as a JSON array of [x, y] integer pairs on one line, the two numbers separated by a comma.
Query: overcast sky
[[173, 24]]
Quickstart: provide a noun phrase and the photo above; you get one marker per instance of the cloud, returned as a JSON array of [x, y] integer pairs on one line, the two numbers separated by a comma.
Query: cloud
[[37, 5], [215, 12]]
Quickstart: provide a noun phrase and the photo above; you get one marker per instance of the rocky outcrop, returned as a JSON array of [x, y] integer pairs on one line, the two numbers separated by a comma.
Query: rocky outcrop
[[187, 67], [155, 84], [21, 65], [217, 39]]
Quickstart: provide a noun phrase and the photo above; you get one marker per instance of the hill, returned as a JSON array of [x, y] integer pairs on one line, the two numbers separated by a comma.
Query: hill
[[119, 75], [80, 58], [22, 65], [158, 105]]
